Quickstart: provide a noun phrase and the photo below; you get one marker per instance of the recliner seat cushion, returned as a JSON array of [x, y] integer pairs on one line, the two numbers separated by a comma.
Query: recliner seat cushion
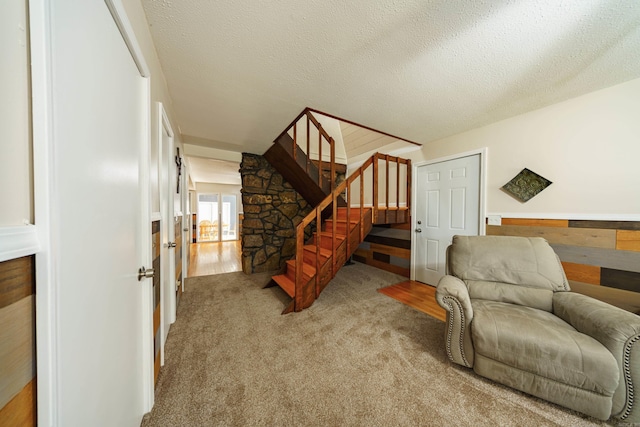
[[538, 342]]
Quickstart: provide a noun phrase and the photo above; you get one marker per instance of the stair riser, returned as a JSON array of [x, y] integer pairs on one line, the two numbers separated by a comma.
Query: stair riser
[[355, 213], [291, 273], [310, 258], [392, 217], [341, 227], [325, 242]]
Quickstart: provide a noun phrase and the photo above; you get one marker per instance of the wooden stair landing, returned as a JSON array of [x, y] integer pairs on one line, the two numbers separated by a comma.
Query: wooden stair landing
[[417, 295]]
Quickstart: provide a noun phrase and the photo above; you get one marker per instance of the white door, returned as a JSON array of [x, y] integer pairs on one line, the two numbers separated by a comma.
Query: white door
[[167, 192], [99, 105], [447, 203]]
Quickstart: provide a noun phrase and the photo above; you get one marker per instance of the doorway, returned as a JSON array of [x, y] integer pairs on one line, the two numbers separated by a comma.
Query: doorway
[[217, 217], [449, 200]]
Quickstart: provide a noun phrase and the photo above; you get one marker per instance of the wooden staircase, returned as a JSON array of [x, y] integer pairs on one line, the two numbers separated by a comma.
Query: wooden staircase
[[320, 255], [337, 229]]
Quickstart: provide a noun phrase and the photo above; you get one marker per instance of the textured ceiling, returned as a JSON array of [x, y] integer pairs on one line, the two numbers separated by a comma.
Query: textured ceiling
[[239, 71], [211, 170]]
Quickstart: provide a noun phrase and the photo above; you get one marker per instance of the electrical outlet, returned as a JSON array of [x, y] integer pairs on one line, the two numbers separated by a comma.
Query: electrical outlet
[[494, 220]]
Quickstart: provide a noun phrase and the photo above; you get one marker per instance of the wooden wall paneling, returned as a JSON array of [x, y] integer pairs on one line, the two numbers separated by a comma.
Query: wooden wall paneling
[[21, 410], [612, 225], [391, 250], [536, 222], [389, 241], [156, 246], [381, 257], [178, 257], [589, 237], [624, 299], [389, 267], [17, 347], [628, 240], [582, 272], [16, 280], [156, 355], [362, 253], [619, 279], [606, 258]]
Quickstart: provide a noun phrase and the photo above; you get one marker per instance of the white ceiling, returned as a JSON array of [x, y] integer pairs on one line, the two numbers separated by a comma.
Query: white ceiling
[[240, 71], [215, 171]]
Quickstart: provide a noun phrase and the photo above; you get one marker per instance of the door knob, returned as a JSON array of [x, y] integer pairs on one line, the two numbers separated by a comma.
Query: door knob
[[170, 245], [418, 230], [144, 273]]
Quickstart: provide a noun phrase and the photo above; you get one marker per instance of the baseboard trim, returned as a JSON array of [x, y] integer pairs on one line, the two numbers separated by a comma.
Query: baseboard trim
[[16, 242]]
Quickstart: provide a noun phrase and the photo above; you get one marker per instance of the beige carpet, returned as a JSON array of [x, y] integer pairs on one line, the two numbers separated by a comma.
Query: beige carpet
[[355, 358]]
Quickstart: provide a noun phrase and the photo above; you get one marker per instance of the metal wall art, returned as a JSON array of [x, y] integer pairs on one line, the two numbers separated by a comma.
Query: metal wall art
[[526, 185]]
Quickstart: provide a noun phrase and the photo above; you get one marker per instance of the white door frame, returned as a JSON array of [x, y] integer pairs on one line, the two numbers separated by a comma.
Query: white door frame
[[167, 299], [47, 283], [186, 221], [414, 195]]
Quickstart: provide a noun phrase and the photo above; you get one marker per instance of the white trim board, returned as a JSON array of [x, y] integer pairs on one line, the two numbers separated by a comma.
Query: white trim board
[[569, 216], [128, 35], [16, 242]]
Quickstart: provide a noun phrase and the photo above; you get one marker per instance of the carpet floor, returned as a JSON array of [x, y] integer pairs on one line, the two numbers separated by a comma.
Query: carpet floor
[[355, 358]]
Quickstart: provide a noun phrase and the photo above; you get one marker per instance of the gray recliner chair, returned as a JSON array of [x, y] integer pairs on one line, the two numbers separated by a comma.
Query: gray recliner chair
[[512, 318]]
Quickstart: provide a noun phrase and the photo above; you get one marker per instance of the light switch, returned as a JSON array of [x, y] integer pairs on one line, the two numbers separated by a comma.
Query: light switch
[[494, 220]]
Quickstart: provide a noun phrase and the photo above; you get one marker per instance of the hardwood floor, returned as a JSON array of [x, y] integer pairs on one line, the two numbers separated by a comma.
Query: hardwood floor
[[418, 295], [215, 258]]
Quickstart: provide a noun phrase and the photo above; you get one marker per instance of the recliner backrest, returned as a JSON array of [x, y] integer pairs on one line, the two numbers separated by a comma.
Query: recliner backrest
[[519, 270]]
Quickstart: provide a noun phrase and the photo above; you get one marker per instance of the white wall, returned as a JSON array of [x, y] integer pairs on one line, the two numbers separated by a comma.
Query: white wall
[[588, 146], [159, 89], [16, 191]]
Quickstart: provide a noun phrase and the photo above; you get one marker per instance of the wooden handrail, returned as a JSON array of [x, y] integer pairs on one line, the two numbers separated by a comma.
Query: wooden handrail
[[322, 137]]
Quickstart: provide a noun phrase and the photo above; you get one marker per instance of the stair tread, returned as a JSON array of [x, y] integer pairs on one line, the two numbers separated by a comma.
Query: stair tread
[[285, 283], [323, 252], [307, 269], [328, 234], [352, 220]]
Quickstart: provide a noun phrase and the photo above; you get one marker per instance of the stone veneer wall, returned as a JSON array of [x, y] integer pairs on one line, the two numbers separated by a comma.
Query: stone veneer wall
[[272, 210]]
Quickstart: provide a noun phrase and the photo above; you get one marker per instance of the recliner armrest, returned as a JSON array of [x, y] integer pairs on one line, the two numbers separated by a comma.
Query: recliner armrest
[[619, 331], [453, 296]]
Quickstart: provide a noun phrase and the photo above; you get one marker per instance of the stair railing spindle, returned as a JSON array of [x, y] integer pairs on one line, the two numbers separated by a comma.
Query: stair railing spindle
[[333, 164], [320, 155], [409, 173], [295, 141], [299, 262], [308, 146], [361, 203], [386, 202], [318, 216], [398, 185], [334, 215], [348, 190], [375, 187]]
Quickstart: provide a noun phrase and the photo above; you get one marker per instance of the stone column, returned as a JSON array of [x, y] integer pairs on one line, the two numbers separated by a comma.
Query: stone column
[[272, 210]]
